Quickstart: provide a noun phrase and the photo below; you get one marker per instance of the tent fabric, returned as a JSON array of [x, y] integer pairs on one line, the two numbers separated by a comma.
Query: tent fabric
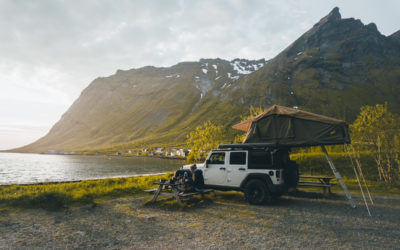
[[292, 127]]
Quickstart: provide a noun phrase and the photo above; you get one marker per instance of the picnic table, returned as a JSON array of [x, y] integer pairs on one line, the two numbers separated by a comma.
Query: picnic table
[[317, 181], [171, 189]]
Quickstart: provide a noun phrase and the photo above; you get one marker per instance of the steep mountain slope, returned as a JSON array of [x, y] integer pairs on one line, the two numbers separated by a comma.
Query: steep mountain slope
[[333, 69], [147, 104]]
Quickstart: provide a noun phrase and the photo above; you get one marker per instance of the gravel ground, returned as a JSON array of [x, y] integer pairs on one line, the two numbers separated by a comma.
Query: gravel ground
[[222, 222]]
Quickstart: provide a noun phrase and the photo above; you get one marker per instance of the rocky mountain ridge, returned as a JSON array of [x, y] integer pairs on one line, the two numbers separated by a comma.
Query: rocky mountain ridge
[[334, 68]]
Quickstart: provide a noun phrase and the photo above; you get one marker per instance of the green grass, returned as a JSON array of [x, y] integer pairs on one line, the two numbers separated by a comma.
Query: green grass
[[374, 187], [54, 196], [378, 188]]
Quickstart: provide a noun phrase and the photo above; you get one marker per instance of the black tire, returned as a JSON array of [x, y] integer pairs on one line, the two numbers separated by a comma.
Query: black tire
[[257, 192]]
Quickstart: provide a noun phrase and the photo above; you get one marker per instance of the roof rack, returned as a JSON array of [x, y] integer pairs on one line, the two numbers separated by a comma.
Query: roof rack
[[248, 145]]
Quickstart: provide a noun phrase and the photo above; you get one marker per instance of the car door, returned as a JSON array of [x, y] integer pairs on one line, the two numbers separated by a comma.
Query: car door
[[236, 168], [215, 172]]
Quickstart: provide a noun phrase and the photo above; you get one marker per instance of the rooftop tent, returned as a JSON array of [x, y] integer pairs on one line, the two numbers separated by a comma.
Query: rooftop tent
[[290, 127]]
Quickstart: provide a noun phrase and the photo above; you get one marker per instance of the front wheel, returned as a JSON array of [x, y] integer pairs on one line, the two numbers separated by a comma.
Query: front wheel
[[257, 192]]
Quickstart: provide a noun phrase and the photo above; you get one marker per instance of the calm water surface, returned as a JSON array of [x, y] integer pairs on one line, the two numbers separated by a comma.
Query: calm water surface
[[31, 168]]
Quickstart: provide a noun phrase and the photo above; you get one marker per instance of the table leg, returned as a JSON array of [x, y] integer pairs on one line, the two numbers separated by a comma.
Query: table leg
[[327, 182], [176, 195], [156, 193]]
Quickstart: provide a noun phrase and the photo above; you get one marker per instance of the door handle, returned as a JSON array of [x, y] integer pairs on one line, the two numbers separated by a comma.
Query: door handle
[[222, 168], [242, 169]]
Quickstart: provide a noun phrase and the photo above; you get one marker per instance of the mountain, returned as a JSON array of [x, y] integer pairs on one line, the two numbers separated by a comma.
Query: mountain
[[333, 69], [149, 105]]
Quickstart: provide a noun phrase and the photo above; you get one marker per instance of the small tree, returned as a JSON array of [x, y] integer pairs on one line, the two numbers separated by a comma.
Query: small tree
[[203, 139], [377, 130]]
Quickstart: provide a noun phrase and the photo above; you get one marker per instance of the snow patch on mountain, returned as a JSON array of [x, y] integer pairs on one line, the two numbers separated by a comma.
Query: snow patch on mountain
[[173, 75], [245, 67]]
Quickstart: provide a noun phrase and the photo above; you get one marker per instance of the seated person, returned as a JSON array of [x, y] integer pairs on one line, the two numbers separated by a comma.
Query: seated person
[[189, 180], [197, 180], [181, 179], [180, 173]]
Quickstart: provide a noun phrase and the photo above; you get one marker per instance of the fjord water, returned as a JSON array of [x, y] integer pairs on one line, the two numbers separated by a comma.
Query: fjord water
[[30, 168]]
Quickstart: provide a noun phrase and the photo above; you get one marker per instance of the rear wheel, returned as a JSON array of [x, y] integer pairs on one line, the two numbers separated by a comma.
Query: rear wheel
[[257, 192]]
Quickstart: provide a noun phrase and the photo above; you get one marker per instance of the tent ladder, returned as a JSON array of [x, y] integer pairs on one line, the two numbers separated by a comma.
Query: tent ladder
[[358, 180], [362, 191], [338, 176], [360, 170]]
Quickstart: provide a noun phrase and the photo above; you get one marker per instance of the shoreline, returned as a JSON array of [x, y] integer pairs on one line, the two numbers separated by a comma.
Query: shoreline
[[111, 155], [77, 181]]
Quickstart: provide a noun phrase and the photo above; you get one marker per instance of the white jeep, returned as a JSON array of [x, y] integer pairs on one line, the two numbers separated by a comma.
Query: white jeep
[[262, 173]]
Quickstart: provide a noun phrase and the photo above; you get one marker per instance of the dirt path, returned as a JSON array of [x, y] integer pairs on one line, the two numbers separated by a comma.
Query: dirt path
[[222, 222]]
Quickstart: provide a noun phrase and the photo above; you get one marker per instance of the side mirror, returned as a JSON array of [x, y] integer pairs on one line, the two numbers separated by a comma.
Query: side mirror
[[206, 163]]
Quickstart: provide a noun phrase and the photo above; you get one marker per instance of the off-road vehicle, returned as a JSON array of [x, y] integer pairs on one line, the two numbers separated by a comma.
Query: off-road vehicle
[[261, 172]]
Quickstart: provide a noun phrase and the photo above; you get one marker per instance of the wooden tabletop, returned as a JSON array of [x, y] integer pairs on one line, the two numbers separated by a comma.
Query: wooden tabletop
[[316, 177]]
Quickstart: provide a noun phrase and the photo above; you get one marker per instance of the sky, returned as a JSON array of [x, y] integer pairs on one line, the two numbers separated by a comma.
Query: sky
[[50, 50]]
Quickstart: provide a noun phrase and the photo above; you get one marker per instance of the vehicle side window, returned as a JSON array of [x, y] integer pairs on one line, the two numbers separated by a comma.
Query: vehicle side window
[[238, 158], [217, 158], [259, 160]]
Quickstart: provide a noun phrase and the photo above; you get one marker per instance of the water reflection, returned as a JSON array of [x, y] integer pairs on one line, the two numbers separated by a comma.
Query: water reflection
[[29, 168]]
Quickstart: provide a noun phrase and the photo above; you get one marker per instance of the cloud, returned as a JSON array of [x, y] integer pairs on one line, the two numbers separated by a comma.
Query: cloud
[[52, 49]]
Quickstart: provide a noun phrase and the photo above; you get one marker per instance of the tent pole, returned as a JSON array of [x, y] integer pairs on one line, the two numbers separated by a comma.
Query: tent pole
[[338, 176]]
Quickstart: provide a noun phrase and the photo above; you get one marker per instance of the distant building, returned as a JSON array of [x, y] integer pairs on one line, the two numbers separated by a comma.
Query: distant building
[[158, 151], [182, 153]]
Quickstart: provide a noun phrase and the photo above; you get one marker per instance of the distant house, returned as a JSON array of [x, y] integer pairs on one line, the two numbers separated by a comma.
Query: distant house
[[181, 152], [144, 150], [158, 151], [129, 151]]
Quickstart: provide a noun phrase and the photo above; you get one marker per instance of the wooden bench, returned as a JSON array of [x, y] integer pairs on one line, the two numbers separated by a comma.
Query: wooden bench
[[167, 189], [322, 182]]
